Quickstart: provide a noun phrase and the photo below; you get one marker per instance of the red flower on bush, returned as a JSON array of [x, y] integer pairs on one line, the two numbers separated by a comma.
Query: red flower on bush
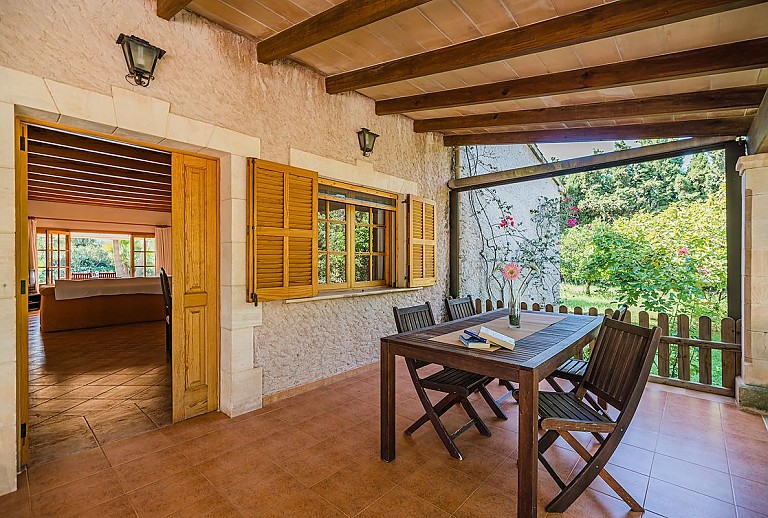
[[572, 222]]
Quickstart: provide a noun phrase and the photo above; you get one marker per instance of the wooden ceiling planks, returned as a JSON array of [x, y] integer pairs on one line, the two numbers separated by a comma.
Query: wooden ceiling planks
[[743, 55], [66, 167], [167, 9], [600, 22], [503, 72]]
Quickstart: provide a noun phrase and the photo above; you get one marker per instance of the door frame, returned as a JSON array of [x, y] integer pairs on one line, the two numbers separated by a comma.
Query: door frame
[[22, 271]]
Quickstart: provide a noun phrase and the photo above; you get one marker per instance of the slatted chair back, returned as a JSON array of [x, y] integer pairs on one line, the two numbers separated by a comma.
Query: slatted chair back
[[107, 275], [620, 364], [620, 312], [414, 317], [166, 287], [460, 308], [80, 276]]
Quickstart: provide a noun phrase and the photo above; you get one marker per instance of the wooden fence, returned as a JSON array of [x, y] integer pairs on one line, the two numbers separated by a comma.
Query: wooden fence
[[676, 354]]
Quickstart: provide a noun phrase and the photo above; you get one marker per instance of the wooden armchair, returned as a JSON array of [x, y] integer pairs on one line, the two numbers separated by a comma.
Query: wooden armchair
[[617, 373], [457, 384], [168, 303]]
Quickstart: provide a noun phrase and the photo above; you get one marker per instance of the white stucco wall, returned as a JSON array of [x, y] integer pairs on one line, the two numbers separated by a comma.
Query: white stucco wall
[[475, 271], [59, 62]]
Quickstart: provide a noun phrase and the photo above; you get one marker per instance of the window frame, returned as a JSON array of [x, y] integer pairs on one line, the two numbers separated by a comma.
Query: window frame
[[144, 252], [390, 246]]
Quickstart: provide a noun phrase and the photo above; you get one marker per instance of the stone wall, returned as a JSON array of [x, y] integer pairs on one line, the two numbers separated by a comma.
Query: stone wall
[[479, 217], [211, 96]]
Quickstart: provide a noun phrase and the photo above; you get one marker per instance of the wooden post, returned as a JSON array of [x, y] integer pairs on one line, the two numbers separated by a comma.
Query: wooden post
[[454, 226], [733, 215]]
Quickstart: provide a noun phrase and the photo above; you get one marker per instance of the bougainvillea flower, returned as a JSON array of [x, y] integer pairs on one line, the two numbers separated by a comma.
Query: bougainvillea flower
[[572, 222], [511, 271], [683, 251]]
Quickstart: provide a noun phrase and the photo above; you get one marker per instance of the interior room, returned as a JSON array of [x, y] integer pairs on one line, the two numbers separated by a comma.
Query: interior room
[[99, 215]]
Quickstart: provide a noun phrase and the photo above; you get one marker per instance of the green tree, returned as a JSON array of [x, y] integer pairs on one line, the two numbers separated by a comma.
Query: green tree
[[702, 177]]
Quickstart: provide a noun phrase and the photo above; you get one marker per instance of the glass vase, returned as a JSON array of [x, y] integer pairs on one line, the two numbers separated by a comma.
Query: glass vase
[[514, 310]]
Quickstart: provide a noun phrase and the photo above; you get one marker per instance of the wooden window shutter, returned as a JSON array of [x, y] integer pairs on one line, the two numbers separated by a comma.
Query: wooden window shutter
[[422, 246], [282, 231]]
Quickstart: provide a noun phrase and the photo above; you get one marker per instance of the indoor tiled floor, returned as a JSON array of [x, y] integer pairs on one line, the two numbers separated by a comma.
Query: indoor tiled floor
[[91, 387], [317, 455]]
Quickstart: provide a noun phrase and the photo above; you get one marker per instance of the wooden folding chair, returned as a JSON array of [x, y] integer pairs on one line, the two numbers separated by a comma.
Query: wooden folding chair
[[573, 369], [617, 373], [457, 384], [168, 303], [465, 307]]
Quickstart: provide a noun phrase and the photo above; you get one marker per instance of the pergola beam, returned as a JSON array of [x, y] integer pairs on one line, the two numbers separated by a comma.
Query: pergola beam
[[744, 55], [735, 126], [757, 137], [167, 9], [692, 102], [338, 20], [603, 21], [590, 163]]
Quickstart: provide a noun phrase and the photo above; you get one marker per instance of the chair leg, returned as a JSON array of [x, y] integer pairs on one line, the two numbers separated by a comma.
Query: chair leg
[[472, 413], [555, 385], [578, 448], [547, 440], [492, 403], [589, 473], [440, 408]]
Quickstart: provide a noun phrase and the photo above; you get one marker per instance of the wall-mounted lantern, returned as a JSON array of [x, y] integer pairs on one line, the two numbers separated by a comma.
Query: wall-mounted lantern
[[141, 58], [367, 139]]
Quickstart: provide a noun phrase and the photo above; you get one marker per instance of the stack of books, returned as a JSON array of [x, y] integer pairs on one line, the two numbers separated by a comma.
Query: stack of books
[[486, 338]]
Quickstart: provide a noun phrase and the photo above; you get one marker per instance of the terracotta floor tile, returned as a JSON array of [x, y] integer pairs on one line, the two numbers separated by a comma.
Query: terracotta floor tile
[[595, 503], [54, 391], [170, 494], [750, 494], [400, 503], [59, 405], [214, 444], [119, 507], [260, 425], [749, 466], [59, 439], [692, 476], [749, 513], [709, 453], [353, 488], [674, 501], [121, 393], [214, 506], [246, 462], [195, 427], [303, 503], [645, 439], [252, 497], [120, 452], [17, 504], [151, 467], [443, 487], [367, 455], [77, 496], [282, 445], [68, 469], [122, 421], [85, 392], [633, 458], [316, 463], [635, 483]]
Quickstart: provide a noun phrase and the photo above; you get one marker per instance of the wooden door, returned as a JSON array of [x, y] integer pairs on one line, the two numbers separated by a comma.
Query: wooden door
[[22, 289], [195, 285]]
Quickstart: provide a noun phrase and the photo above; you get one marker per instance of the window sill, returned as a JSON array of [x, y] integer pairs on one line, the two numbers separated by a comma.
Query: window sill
[[351, 293]]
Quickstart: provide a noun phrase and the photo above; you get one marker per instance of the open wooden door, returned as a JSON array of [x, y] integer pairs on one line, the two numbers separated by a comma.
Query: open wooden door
[[195, 285], [22, 303]]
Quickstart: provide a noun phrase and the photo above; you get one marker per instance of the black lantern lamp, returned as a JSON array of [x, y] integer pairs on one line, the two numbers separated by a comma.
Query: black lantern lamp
[[367, 139], [141, 58]]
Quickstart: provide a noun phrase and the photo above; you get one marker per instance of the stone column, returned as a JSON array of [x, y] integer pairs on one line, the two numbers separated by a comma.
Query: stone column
[[752, 386]]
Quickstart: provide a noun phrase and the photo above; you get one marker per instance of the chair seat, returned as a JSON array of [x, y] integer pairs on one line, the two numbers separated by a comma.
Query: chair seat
[[564, 411], [453, 381], [571, 370]]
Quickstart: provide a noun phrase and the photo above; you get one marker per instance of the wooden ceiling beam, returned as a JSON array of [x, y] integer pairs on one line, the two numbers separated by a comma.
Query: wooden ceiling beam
[[340, 19], [36, 188], [757, 137], [98, 170], [744, 55], [89, 200], [590, 163], [74, 186], [730, 127], [692, 102], [167, 9], [96, 145], [603, 21]]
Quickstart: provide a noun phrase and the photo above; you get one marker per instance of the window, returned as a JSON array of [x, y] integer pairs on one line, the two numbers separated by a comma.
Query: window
[[52, 256], [143, 256], [354, 236]]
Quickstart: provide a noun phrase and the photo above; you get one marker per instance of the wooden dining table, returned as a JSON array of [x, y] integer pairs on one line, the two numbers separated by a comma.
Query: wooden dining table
[[543, 342]]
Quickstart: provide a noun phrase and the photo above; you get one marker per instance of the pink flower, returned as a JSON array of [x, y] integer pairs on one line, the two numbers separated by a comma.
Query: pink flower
[[704, 272], [503, 223], [589, 227], [511, 271], [572, 222], [575, 209], [683, 251], [507, 221]]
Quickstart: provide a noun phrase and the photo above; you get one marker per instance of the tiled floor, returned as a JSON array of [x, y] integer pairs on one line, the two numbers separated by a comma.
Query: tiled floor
[[91, 387], [317, 455]]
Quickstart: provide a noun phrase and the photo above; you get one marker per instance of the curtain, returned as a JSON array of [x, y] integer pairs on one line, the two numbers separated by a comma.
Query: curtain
[[164, 254], [32, 260]]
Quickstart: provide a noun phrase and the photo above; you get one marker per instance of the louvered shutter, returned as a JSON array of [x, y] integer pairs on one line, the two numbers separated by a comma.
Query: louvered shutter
[[282, 234], [422, 249]]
